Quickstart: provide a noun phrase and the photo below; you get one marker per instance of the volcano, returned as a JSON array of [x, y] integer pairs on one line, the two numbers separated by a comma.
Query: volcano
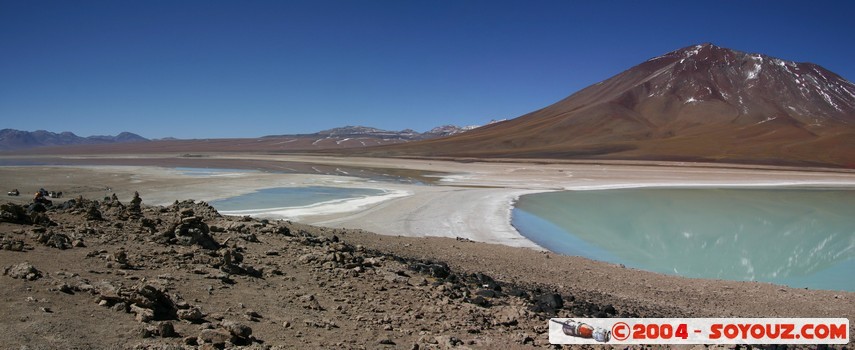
[[700, 103]]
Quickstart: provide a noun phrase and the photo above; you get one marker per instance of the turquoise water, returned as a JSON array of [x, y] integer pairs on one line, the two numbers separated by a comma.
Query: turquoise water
[[287, 197], [799, 238]]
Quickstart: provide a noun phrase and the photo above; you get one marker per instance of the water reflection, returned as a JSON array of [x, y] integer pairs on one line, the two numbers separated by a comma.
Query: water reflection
[[802, 238]]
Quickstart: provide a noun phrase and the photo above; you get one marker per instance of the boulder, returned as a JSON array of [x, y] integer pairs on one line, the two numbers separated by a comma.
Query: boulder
[[143, 314], [191, 314], [547, 303], [23, 270], [13, 213], [238, 330], [166, 330], [216, 337], [93, 213], [55, 240], [13, 245], [509, 315], [436, 270], [42, 219]]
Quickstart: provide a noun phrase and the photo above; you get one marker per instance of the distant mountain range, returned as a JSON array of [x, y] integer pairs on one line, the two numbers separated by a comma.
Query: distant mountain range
[[11, 139], [337, 138], [375, 133], [699, 103]]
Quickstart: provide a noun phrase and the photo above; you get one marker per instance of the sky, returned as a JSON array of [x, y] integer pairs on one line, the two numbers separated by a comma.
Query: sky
[[249, 68]]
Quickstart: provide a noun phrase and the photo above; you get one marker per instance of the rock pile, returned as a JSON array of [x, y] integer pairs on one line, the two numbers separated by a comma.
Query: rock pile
[[135, 208], [190, 229], [93, 213], [15, 214], [16, 245], [54, 240]]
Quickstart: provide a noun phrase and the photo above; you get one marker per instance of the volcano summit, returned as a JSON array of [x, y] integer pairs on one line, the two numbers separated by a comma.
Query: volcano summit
[[700, 103]]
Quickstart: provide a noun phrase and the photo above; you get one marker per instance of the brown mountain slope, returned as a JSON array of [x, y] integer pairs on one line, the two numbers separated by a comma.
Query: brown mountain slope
[[698, 103]]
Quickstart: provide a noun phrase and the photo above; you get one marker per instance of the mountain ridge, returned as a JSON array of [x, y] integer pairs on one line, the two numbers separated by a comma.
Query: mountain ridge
[[406, 134], [12, 139], [330, 139], [698, 103]]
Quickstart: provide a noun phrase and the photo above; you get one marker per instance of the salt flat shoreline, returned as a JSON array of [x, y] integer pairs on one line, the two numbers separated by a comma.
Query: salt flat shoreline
[[469, 200], [474, 202], [336, 206]]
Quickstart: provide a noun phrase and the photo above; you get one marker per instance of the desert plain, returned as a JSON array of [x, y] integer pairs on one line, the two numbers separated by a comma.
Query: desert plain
[[388, 285]]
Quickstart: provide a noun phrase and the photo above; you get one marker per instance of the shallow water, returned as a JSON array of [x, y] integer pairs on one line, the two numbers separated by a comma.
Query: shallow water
[[289, 197], [800, 238]]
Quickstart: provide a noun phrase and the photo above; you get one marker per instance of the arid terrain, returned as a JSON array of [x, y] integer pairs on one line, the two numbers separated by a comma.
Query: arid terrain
[[426, 174], [96, 272]]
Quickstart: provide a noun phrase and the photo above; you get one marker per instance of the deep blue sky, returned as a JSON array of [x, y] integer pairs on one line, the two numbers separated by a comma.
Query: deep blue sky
[[210, 68]]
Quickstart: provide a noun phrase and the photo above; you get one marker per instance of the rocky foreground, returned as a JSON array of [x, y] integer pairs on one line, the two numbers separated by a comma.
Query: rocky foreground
[[103, 274]]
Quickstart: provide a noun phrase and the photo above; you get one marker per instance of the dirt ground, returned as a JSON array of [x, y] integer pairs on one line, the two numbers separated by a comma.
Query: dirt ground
[[183, 276], [104, 274]]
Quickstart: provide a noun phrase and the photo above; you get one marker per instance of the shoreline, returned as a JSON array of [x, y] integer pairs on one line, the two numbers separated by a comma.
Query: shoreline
[[425, 224], [471, 201], [307, 278], [759, 185], [335, 206]]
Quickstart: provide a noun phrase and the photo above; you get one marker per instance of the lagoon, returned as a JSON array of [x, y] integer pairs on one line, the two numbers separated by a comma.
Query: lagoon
[[796, 237]]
